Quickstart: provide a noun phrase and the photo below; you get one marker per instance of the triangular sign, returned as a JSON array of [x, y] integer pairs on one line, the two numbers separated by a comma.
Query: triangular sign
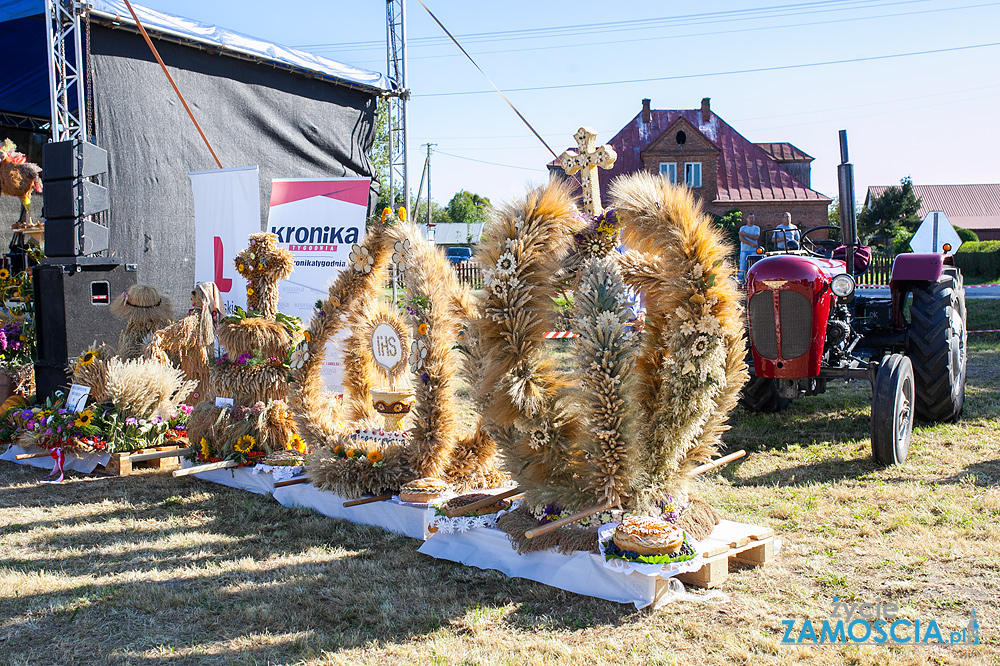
[[933, 233]]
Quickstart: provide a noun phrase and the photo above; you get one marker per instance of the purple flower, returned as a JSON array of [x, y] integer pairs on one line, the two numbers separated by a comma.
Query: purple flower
[[132, 421], [243, 358], [180, 427], [63, 411], [31, 425], [3, 339], [425, 378], [27, 414], [157, 419], [59, 429], [49, 431]]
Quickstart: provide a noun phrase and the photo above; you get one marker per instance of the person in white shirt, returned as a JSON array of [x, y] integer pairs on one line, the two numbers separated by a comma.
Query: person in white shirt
[[749, 237], [790, 238]]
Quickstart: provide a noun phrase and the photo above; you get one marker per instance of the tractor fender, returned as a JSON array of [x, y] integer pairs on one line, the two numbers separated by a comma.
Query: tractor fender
[[913, 266]]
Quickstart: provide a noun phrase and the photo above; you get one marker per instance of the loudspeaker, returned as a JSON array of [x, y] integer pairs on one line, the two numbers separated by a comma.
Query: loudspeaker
[[72, 313], [71, 198]]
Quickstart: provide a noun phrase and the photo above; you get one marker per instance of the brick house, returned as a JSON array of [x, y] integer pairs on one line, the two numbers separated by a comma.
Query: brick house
[[724, 169]]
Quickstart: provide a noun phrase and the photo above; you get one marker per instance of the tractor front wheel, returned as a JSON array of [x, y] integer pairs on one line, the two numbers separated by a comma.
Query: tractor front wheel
[[936, 346], [892, 410]]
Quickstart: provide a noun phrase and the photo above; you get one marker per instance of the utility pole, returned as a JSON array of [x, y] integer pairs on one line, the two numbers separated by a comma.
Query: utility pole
[[430, 225]]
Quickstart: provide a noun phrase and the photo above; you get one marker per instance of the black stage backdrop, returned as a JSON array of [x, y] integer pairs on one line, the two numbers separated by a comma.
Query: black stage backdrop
[[289, 125]]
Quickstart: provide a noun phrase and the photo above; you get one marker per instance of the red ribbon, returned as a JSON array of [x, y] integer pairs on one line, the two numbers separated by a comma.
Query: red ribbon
[[57, 468]]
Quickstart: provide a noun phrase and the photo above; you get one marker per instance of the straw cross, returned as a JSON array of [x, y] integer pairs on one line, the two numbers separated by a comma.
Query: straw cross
[[586, 162]]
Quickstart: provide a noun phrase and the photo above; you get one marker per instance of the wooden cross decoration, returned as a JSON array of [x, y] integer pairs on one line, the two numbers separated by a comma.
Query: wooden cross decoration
[[586, 162]]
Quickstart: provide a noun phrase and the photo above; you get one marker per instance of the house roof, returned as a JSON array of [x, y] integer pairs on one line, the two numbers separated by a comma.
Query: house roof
[[967, 206], [783, 151], [746, 171]]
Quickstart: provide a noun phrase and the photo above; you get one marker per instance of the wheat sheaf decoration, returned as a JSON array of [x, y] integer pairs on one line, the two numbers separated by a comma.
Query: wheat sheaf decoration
[[438, 306], [629, 423]]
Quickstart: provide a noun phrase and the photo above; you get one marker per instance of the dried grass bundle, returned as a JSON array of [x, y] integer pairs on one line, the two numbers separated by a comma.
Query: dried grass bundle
[[566, 540], [247, 384], [358, 476], [264, 265], [246, 336], [317, 416], [145, 388], [475, 463], [691, 360], [436, 301], [191, 342], [271, 426], [144, 311], [529, 407], [92, 371]]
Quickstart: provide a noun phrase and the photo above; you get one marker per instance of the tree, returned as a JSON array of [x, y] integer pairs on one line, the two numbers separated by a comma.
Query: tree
[[468, 208], [730, 224], [892, 218]]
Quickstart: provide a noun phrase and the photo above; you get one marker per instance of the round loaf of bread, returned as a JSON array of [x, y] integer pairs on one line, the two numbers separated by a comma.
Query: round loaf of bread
[[648, 536], [422, 490]]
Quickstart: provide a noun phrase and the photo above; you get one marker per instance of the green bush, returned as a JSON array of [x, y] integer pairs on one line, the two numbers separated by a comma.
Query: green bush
[[967, 235], [980, 258]]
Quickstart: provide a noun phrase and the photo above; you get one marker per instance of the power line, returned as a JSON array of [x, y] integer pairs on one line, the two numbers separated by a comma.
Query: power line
[[713, 33], [470, 159], [775, 68]]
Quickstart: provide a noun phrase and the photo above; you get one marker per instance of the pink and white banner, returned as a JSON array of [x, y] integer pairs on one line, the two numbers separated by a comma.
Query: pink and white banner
[[318, 220], [226, 212]]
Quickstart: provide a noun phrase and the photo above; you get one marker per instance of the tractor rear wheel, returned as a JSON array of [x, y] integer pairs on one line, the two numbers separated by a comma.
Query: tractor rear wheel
[[892, 410], [936, 346], [761, 395]]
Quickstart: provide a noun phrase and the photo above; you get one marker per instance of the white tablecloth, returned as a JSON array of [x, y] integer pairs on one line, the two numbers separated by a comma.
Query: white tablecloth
[[405, 519], [77, 461], [236, 477]]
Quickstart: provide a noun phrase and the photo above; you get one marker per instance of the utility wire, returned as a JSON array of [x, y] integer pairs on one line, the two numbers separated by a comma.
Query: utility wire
[[678, 77], [470, 159]]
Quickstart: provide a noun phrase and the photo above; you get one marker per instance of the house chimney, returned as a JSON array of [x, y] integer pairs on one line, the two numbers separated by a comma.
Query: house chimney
[[706, 109], [646, 114]]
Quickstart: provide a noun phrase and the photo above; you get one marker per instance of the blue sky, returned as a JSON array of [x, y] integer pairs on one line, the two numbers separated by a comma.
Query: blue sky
[[932, 116]]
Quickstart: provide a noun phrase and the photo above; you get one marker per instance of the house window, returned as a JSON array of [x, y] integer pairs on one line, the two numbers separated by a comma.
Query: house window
[[669, 171], [692, 174]]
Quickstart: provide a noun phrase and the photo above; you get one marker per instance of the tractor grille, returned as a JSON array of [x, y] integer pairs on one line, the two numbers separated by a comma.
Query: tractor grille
[[796, 323], [762, 329]]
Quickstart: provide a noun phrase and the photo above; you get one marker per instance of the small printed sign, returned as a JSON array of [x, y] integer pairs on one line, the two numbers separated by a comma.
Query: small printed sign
[[223, 402], [76, 400]]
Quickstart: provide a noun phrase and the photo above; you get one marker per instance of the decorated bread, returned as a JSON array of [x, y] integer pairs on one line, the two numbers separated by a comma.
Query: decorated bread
[[422, 490], [648, 536], [465, 500]]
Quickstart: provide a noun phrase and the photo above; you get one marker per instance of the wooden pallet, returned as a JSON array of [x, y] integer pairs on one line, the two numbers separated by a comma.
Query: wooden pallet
[[123, 464], [731, 545]]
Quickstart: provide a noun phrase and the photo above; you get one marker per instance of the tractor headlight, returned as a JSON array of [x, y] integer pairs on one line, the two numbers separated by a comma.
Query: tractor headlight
[[842, 285]]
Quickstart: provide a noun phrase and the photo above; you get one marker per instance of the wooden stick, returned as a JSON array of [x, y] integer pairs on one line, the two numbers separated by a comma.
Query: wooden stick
[[548, 527], [26, 456], [487, 501], [291, 482], [368, 500], [155, 455], [718, 462], [207, 467]]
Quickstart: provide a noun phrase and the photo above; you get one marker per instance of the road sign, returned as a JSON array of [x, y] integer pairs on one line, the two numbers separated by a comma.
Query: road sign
[[933, 233]]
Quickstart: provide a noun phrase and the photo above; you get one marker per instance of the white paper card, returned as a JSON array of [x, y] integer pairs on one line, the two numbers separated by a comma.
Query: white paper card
[[223, 402], [77, 398]]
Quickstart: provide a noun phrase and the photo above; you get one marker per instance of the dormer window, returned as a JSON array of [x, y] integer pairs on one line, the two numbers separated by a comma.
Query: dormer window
[[692, 174], [681, 138], [669, 171]]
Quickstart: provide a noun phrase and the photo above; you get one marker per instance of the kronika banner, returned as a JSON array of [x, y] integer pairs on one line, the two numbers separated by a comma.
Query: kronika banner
[[318, 220], [226, 212]]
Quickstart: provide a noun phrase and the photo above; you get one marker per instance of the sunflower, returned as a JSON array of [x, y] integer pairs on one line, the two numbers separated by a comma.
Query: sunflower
[[338, 449], [296, 444], [88, 357], [308, 336], [206, 448], [351, 453], [374, 456], [422, 328], [84, 419], [4, 273], [249, 291], [244, 444]]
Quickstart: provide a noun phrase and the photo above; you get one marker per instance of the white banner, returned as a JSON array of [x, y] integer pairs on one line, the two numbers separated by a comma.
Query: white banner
[[318, 220], [226, 212]]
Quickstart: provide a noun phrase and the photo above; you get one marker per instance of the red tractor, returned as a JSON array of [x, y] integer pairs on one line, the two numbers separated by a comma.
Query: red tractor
[[806, 326]]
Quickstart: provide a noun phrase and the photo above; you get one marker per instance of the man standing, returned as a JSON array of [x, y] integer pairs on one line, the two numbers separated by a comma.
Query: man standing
[[787, 236], [749, 236]]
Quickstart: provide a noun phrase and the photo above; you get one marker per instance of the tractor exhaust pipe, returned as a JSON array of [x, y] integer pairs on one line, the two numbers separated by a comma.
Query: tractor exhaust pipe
[[848, 219]]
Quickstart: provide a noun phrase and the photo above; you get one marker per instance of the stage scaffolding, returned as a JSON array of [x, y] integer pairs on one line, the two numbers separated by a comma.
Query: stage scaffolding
[[399, 189]]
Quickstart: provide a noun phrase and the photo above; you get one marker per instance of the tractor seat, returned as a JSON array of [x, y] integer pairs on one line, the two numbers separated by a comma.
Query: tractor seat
[[862, 257]]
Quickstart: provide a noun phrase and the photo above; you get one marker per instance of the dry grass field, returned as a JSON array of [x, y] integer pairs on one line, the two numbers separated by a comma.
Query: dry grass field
[[155, 571]]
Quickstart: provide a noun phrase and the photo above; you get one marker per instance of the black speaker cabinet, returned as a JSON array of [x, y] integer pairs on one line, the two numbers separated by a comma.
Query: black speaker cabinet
[[72, 313]]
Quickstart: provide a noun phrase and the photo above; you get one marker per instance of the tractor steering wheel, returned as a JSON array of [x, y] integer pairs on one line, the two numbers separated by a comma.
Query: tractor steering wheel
[[819, 247]]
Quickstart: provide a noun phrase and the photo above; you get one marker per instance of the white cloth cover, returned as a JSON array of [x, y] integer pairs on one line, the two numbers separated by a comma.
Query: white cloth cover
[[581, 572], [236, 477], [278, 472], [406, 519], [77, 461]]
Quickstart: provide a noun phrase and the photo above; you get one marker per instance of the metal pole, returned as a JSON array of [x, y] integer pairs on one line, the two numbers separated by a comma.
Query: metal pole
[[430, 234], [848, 219], [934, 234], [404, 100], [420, 190]]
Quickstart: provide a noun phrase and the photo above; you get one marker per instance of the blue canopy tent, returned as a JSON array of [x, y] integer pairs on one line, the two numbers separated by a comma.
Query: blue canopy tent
[[291, 113]]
